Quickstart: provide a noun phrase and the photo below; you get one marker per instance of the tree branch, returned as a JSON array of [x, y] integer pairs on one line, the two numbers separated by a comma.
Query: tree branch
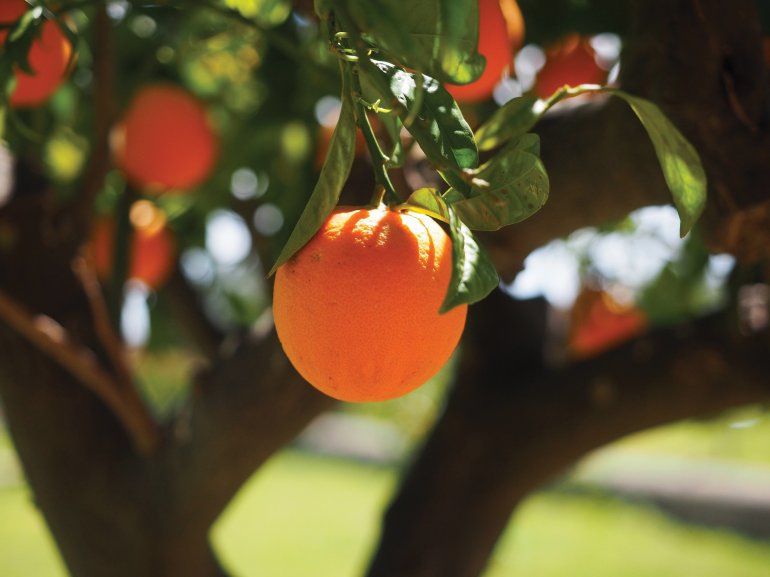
[[104, 103], [247, 406], [601, 166], [188, 309], [512, 424], [701, 62], [50, 338]]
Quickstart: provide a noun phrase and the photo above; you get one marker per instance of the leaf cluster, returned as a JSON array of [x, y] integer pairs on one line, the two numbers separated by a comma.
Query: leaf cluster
[[396, 56]]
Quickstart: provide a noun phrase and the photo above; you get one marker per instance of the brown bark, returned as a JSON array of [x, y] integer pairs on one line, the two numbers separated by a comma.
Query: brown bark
[[511, 423], [113, 510]]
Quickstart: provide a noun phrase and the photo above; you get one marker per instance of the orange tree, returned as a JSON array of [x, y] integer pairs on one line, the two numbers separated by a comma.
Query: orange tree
[[127, 491]]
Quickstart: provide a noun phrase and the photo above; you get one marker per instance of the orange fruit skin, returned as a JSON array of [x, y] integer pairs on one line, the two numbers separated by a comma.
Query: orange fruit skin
[[356, 309], [570, 61], [165, 140], [599, 324], [501, 33], [48, 56], [151, 252]]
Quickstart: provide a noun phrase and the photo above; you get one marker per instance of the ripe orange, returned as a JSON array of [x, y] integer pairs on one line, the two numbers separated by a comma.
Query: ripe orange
[[356, 309], [501, 33], [570, 61], [48, 56], [165, 140], [151, 250], [600, 323]]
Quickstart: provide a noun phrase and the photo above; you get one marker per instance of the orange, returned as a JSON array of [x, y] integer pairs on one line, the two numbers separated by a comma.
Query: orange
[[501, 33], [357, 308], [570, 61], [152, 248], [48, 56], [600, 323], [165, 140]]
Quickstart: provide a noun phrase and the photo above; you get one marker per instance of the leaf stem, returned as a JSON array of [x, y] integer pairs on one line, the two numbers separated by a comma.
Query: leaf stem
[[379, 159]]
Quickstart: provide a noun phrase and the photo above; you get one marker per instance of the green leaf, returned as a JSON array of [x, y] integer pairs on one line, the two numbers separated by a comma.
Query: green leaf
[[517, 187], [438, 127], [514, 118], [679, 160], [519, 115], [389, 120], [268, 13], [20, 37], [437, 37], [473, 274], [330, 182], [428, 201]]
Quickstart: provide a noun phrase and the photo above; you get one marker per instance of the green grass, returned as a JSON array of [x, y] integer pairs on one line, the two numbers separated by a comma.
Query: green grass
[[26, 547], [559, 535], [303, 516], [741, 435]]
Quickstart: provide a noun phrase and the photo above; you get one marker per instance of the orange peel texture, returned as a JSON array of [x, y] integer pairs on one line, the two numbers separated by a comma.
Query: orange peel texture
[[356, 309]]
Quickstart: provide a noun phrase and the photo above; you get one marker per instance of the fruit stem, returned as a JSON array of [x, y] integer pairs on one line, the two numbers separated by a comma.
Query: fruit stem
[[379, 159]]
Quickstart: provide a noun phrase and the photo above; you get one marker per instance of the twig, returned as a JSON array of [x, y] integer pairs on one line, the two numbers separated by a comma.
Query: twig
[[51, 339], [84, 271], [104, 112]]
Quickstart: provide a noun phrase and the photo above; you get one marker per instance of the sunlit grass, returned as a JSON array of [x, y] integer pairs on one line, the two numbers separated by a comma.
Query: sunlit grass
[[304, 515], [559, 535], [739, 435], [26, 547]]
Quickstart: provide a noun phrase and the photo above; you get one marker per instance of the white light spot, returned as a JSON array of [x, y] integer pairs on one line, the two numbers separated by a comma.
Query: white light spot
[[607, 47], [244, 184], [527, 63], [227, 237], [507, 89], [551, 271], [268, 219], [746, 424], [327, 111], [197, 266], [117, 10], [135, 316]]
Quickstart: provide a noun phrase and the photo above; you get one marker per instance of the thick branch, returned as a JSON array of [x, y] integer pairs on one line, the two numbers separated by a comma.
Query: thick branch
[[601, 166], [51, 339], [188, 310], [701, 62], [245, 408], [512, 425]]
